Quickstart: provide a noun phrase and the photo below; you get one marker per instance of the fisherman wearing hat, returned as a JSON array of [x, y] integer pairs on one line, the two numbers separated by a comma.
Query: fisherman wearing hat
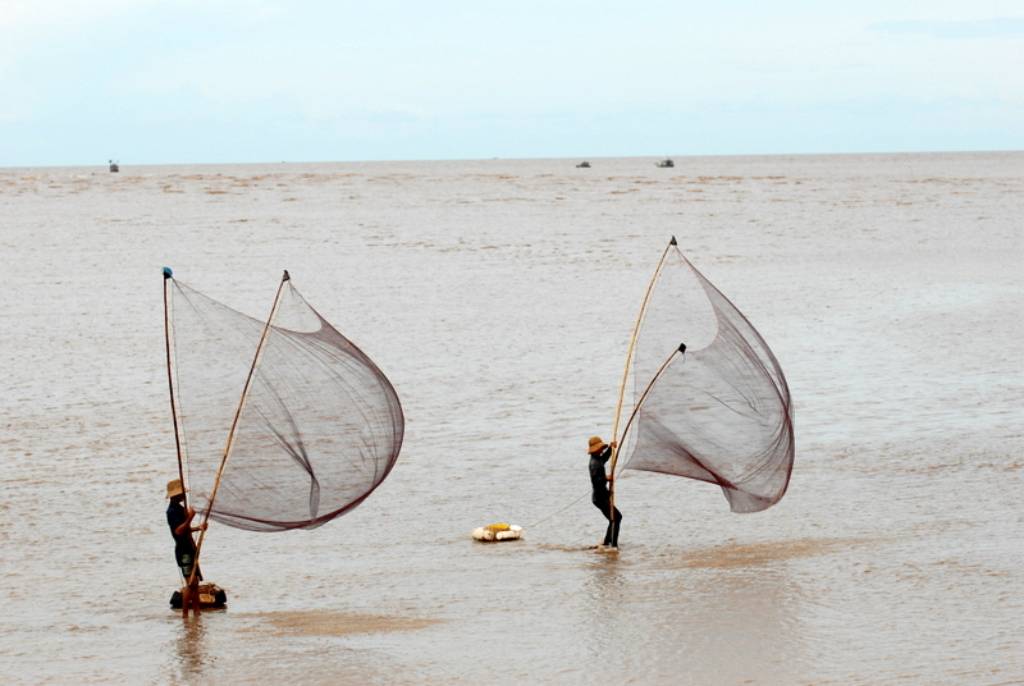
[[599, 452], [179, 519]]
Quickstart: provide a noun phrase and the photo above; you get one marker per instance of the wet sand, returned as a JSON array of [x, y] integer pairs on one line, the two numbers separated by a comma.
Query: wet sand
[[327, 623]]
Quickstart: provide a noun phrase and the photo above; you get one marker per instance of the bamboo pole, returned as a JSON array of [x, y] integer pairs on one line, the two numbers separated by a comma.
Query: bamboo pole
[[625, 378], [168, 274], [234, 425]]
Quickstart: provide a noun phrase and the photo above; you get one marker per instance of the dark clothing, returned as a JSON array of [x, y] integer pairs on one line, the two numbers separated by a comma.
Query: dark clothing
[[601, 497], [611, 534], [176, 516], [597, 477], [184, 546]]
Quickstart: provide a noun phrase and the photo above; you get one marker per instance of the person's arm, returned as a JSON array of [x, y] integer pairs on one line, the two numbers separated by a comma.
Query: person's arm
[[187, 524], [611, 447]]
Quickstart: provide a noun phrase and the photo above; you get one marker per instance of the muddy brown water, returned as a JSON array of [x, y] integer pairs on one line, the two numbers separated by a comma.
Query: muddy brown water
[[498, 296]]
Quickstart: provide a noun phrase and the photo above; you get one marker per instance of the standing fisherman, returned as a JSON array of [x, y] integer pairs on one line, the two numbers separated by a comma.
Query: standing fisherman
[[179, 519], [599, 453]]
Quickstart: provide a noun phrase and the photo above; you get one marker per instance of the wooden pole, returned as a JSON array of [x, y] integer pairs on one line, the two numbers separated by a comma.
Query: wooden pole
[[168, 274], [234, 425], [625, 377], [186, 595]]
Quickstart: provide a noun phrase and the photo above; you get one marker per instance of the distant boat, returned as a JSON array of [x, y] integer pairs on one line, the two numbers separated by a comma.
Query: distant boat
[[113, 166], [666, 163], [583, 165]]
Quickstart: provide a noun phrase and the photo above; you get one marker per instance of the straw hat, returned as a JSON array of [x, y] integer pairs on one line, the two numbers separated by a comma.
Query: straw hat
[[174, 488], [596, 445]]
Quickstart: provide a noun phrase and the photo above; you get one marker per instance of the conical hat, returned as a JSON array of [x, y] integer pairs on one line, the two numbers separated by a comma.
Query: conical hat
[[174, 488]]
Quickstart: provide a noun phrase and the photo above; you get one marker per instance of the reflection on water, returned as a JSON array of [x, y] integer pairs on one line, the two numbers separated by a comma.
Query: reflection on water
[[192, 649], [720, 626]]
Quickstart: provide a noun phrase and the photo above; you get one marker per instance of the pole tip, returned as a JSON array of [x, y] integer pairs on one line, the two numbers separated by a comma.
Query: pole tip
[[682, 347], [168, 272], [673, 241], [286, 276]]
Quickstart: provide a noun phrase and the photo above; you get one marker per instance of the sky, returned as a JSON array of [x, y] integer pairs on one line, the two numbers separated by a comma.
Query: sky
[[217, 81]]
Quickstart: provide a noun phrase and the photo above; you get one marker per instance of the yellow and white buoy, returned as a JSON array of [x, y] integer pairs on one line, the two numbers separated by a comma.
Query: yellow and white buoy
[[497, 532]]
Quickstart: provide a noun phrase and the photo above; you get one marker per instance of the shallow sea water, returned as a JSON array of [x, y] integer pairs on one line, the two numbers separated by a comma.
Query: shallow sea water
[[498, 297]]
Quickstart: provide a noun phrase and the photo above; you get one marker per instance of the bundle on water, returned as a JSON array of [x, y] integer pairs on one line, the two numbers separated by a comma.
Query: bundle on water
[[280, 424], [211, 597], [498, 532]]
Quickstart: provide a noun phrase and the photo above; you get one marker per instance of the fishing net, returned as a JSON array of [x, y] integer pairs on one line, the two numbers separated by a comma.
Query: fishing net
[[721, 411], [321, 426]]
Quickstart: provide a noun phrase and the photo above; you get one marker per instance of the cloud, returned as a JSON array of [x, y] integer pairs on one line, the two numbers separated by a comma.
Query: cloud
[[263, 79], [996, 27], [22, 15]]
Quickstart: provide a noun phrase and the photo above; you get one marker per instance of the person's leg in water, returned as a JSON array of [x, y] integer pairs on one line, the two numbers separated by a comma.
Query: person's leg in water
[[189, 592], [194, 589], [611, 536]]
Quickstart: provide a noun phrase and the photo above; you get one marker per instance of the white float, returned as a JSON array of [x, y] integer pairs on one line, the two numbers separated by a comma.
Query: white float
[[495, 533]]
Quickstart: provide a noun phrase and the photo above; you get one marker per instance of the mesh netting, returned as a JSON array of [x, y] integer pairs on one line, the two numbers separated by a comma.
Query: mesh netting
[[321, 426], [719, 413]]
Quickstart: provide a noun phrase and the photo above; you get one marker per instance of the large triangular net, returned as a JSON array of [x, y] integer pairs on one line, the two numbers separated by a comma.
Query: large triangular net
[[719, 413], [321, 426]]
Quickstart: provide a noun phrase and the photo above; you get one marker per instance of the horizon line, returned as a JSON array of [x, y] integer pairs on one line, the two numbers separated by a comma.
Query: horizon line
[[4, 167]]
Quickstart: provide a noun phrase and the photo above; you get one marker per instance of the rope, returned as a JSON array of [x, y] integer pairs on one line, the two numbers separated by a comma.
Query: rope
[[558, 511]]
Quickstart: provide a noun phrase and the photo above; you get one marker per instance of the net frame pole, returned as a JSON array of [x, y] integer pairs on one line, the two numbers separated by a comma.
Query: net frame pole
[[285, 278], [625, 377], [643, 396], [170, 385]]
